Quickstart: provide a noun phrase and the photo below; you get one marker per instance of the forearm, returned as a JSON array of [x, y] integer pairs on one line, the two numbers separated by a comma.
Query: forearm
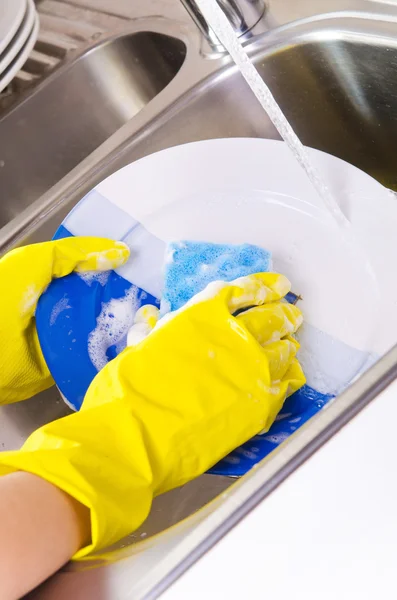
[[40, 530]]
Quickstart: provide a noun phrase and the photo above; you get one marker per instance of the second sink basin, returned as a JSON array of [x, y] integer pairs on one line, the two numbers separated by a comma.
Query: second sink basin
[[77, 109]]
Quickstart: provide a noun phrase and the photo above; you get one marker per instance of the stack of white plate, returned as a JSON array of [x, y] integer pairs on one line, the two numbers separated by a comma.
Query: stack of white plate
[[19, 26]]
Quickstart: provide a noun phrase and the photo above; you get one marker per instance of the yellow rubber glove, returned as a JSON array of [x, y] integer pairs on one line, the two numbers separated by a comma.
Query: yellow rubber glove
[[25, 274], [165, 410]]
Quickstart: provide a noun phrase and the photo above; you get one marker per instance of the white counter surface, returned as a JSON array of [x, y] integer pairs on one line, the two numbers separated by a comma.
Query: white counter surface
[[328, 532]]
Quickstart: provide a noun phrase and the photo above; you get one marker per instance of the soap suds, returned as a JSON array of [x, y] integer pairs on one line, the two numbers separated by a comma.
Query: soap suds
[[113, 324], [145, 320], [90, 276], [106, 260], [137, 333], [59, 307], [29, 299]]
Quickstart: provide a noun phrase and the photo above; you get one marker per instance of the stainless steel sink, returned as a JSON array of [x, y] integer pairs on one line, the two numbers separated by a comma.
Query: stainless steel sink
[[79, 108], [333, 75]]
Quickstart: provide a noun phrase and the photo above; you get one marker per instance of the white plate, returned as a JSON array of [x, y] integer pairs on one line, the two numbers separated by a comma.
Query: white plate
[[234, 191], [22, 56], [253, 190], [11, 16], [20, 38]]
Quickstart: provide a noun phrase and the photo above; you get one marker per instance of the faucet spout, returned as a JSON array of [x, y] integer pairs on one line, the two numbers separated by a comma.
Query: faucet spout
[[242, 14]]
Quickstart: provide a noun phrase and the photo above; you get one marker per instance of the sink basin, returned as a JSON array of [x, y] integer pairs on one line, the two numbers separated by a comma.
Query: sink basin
[[78, 108], [334, 78], [339, 94]]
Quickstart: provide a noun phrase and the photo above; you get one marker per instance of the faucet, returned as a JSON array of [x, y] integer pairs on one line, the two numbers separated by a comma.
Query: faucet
[[242, 14]]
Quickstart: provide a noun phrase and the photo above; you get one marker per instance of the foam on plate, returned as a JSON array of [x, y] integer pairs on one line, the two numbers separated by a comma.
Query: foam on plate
[[112, 326]]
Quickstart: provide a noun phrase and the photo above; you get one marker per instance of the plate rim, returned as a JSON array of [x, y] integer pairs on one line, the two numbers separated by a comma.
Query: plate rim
[[20, 38], [15, 23], [21, 57]]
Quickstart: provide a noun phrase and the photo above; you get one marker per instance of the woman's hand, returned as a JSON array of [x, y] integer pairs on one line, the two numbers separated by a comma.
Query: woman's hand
[[166, 409], [25, 273]]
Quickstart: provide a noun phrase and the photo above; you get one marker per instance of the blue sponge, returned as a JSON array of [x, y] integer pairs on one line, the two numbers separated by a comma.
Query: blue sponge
[[191, 266]]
